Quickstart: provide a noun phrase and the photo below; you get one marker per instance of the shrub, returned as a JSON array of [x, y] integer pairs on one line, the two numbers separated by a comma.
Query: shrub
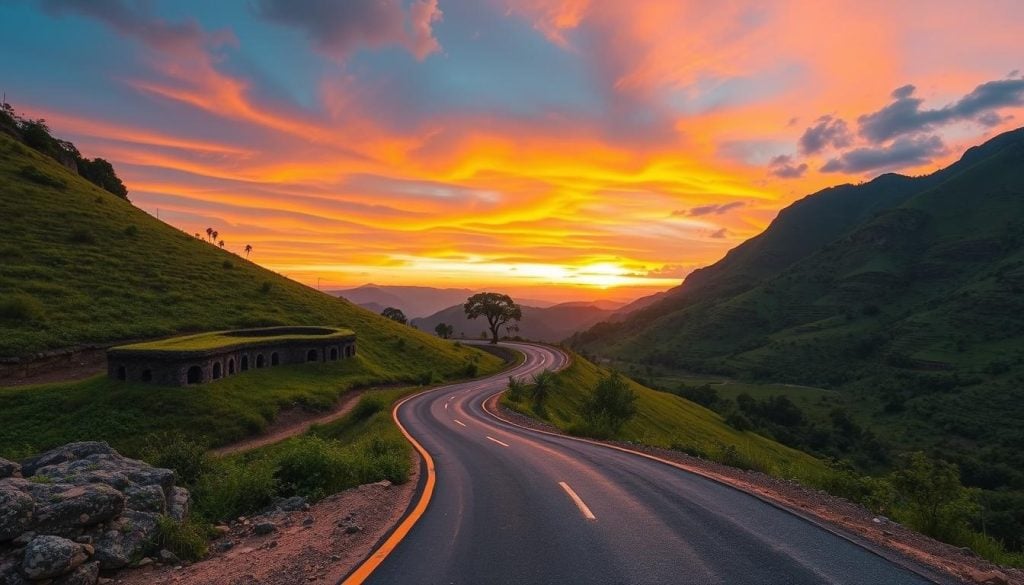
[[312, 467], [185, 539], [227, 265], [471, 370], [174, 450], [231, 488], [266, 287], [516, 389], [21, 307], [739, 422], [610, 406], [931, 496], [131, 231], [425, 378], [542, 384]]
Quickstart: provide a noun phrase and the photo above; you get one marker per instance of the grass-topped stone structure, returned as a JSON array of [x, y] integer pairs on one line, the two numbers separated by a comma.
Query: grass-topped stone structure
[[205, 357]]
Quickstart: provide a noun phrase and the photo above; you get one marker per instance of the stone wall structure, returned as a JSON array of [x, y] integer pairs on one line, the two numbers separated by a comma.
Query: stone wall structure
[[179, 362]]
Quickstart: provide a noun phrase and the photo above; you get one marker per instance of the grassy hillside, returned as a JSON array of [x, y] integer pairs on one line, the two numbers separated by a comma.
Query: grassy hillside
[[915, 312], [81, 265], [668, 421]]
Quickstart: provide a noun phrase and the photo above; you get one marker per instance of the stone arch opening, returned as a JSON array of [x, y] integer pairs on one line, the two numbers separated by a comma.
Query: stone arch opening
[[195, 375], [217, 370], [334, 354], [231, 366], [147, 375], [275, 359], [245, 363], [122, 373], [311, 355], [350, 350], [259, 360]]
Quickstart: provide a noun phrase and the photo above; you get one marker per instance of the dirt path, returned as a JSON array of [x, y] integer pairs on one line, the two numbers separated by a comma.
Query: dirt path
[[320, 545], [295, 421]]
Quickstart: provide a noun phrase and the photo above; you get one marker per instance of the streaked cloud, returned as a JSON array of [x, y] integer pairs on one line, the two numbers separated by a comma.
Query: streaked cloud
[[571, 144]]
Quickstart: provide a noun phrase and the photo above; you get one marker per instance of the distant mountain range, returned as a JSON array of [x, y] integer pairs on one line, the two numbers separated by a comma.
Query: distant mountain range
[[415, 301], [552, 324]]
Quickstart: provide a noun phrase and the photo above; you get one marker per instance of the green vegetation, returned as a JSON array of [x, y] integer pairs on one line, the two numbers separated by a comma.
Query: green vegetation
[[41, 417], [660, 420], [36, 135], [923, 492], [227, 339], [903, 295], [84, 266], [498, 309]]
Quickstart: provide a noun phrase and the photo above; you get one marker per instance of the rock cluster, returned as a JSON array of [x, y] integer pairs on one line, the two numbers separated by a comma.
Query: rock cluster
[[78, 509]]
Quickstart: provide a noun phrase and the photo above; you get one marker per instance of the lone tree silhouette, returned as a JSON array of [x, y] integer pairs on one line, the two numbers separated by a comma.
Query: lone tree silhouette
[[248, 249], [444, 331], [395, 315], [496, 307]]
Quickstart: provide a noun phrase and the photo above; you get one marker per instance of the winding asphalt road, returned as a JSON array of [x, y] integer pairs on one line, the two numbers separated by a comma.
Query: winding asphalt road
[[518, 506]]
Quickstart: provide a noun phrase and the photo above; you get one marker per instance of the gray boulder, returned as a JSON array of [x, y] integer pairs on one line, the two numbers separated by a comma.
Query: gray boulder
[[16, 507], [145, 498], [69, 452], [87, 574], [51, 556], [9, 469], [10, 571], [179, 504], [125, 539], [69, 508]]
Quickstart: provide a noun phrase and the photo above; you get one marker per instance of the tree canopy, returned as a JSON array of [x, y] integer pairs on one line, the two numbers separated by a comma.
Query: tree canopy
[[395, 315], [444, 330], [497, 308]]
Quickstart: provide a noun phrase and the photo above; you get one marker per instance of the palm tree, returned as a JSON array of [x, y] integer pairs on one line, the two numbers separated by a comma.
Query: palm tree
[[198, 237], [209, 233], [248, 249], [215, 234], [221, 243]]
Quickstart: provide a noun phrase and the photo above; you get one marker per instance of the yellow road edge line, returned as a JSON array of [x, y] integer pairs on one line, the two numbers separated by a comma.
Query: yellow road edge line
[[363, 572]]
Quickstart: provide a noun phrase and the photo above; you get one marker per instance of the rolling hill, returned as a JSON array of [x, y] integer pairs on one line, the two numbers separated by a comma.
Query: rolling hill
[[552, 324], [905, 293], [84, 266]]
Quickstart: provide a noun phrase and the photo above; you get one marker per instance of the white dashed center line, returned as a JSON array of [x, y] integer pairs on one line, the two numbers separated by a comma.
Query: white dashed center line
[[497, 441], [579, 501]]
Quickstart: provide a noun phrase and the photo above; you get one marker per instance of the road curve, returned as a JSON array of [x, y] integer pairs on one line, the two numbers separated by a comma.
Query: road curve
[[516, 506]]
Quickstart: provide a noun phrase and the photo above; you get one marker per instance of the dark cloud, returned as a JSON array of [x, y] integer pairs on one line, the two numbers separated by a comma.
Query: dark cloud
[[905, 116], [784, 167], [137, 20], [339, 28], [827, 131], [720, 234], [711, 209], [905, 151]]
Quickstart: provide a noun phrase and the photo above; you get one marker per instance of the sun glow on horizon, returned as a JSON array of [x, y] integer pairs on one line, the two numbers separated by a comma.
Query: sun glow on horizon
[[505, 147]]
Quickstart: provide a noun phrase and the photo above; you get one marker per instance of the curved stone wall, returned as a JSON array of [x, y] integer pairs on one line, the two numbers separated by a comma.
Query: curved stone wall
[[183, 368]]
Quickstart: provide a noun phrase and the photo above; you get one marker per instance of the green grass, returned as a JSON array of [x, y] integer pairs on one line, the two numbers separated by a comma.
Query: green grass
[[40, 417], [229, 339], [82, 266], [667, 421]]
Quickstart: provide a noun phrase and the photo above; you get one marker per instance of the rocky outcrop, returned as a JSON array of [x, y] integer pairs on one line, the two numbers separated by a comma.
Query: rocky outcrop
[[71, 512]]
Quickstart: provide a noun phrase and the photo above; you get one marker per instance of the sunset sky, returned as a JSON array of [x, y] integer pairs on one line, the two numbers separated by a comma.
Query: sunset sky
[[575, 148]]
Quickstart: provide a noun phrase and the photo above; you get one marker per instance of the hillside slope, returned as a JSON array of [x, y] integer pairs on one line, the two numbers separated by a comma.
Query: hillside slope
[[915, 312], [83, 266]]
